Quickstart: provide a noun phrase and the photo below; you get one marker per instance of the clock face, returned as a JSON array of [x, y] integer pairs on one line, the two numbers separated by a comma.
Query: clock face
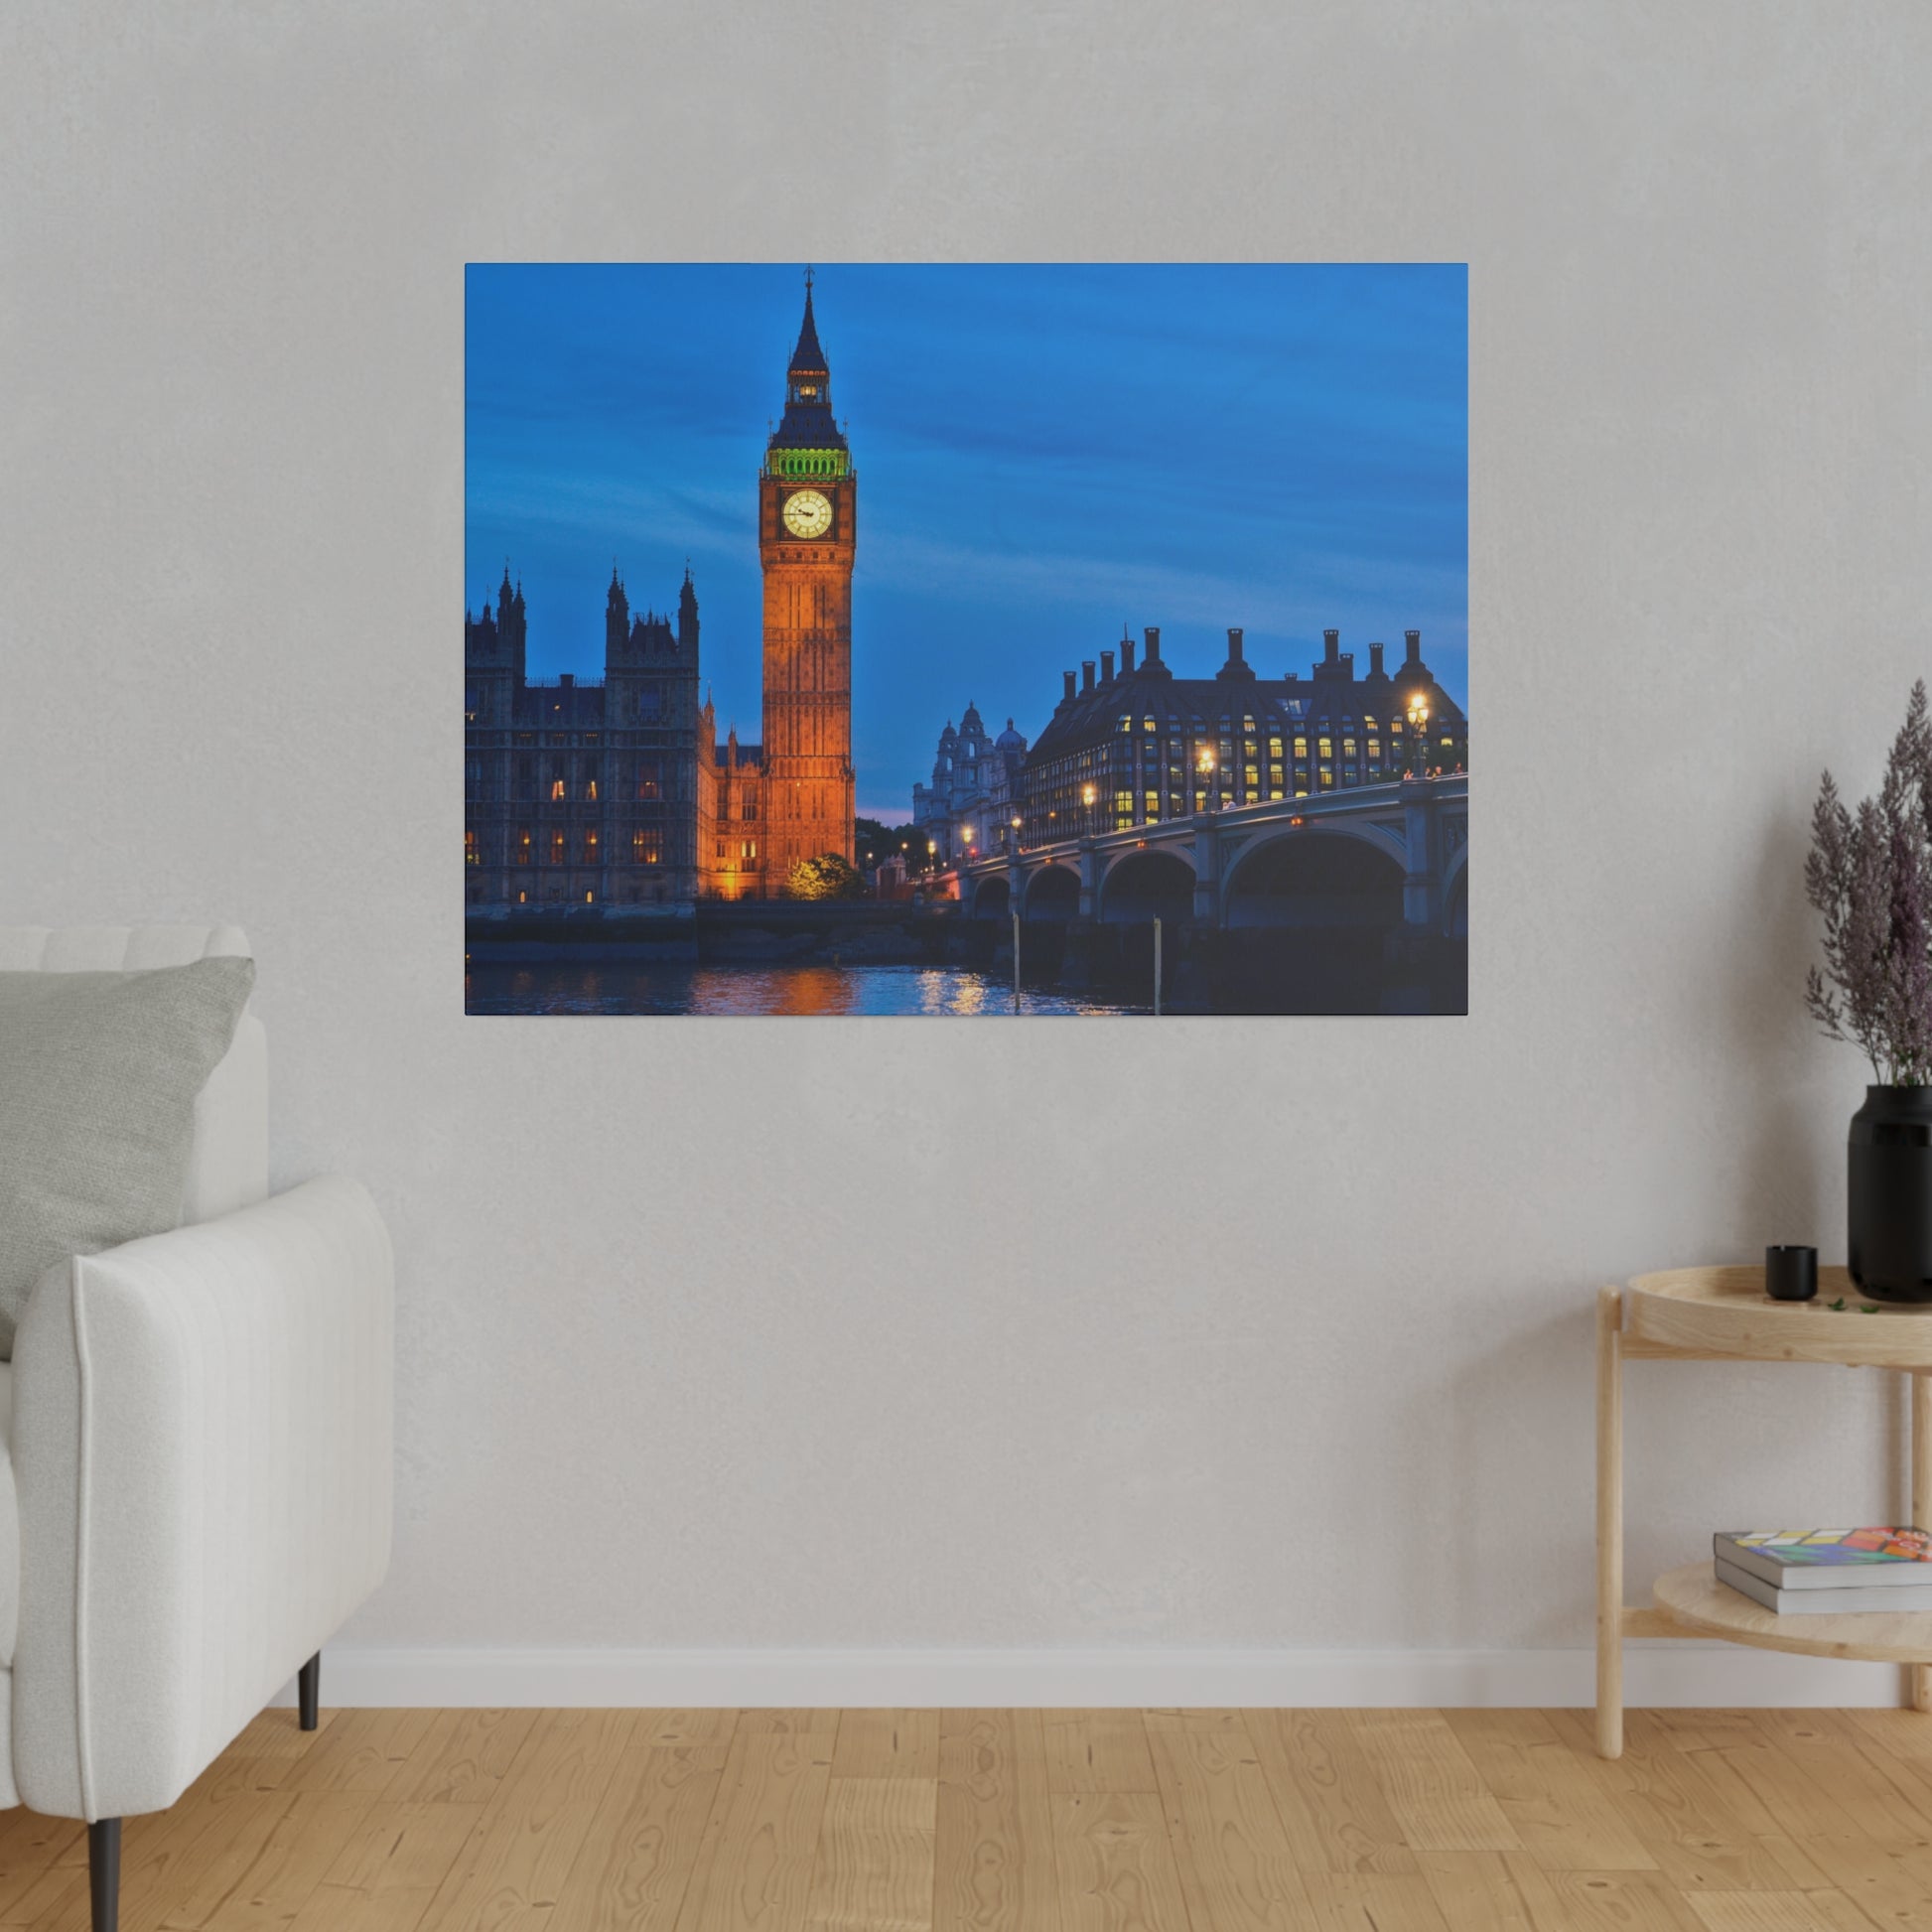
[[807, 513]]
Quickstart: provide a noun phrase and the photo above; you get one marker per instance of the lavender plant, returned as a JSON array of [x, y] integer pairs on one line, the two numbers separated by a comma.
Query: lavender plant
[[1869, 874]]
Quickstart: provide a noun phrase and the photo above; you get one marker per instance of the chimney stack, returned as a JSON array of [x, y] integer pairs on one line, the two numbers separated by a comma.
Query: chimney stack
[[1234, 646], [1375, 660], [1413, 640], [1069, 676], [1086, 674], [1330, 645], [1126, 656], [1106, 667], [1153, 636]]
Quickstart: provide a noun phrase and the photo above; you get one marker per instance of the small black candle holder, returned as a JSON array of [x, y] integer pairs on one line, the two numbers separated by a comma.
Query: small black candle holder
[[1791, 1273]]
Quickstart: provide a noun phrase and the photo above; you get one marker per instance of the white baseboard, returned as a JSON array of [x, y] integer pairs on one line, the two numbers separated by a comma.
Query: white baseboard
[[1655, 1674]]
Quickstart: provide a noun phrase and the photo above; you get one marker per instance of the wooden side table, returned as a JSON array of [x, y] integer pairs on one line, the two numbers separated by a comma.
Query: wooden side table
[[1705, 1315]]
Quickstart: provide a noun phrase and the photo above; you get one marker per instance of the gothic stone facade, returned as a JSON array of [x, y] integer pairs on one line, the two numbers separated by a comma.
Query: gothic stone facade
[[617, 792], [586, 793]]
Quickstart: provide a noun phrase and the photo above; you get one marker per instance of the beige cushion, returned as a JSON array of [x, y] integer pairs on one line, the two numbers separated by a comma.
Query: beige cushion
[[100, 1073]]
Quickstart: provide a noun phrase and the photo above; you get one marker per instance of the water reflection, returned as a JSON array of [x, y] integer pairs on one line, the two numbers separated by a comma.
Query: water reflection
[[957, 991]]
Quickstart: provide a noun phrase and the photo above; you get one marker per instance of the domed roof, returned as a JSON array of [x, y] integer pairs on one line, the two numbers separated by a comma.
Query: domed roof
[[971, 726], [948, 737], [1010, 740]]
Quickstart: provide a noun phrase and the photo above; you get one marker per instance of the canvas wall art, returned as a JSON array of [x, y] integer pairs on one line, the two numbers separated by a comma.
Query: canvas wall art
[[966, 640]]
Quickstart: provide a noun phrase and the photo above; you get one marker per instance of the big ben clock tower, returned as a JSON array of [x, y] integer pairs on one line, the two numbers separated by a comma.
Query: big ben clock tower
[[808, 513]]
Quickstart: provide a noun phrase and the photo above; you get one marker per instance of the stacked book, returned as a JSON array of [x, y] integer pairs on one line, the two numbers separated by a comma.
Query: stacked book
[[1828, 1573]]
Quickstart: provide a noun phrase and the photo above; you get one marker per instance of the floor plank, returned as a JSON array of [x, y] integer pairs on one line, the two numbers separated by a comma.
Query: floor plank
[[512, 1867], [1237, 1871], [1549, 1793], [757, 1873], [874, 1868], [1022, 1820], [995, 1845], [385, 1877], [1332, 1806], [1097, 1750], [886, 1744], [1116, 1864], [1437, 1795], [645, 1841]]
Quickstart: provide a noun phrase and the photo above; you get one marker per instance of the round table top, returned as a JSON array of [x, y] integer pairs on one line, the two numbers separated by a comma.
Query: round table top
[[1726, 1311]]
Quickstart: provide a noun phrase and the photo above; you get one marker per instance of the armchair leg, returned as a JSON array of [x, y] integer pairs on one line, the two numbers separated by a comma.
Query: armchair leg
[[308, 1690], [104, 1872]]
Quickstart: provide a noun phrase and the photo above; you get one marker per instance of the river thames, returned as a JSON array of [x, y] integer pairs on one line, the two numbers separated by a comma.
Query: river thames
[[960, 992]]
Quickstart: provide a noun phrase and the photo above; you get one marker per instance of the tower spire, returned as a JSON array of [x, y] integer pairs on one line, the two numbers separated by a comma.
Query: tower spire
[[808, 423]]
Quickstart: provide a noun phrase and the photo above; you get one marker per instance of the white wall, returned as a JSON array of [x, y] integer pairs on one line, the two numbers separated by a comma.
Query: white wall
[[1219, 1335]]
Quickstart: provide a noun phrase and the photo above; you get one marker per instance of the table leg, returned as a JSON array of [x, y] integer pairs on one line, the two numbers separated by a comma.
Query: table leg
[[1921, 1384], [1609, 1523]]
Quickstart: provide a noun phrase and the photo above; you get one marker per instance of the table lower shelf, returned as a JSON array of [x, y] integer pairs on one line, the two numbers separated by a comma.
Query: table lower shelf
[[1697, 1603]]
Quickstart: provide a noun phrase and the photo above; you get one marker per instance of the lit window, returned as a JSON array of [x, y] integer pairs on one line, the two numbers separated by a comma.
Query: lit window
[[1327, 747], [748, 849], [556, 788], [1274, 748], [644, 849], [1147, 724], [1252, 776], [471, 856], [1150, 803], [590, 847], [590, 790], [523, 848], [648, 771], [556, 846], [1301, 747]]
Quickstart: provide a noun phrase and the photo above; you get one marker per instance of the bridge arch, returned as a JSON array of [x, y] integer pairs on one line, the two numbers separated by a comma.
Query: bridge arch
[[992, 897], [1319, 878], [1052, 892], [1144, 884]]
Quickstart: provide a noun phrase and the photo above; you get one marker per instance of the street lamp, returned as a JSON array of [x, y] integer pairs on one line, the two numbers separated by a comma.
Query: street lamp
[[1086, 799], [1206, 764], [1016, 831], [1419, 736], [931, 855]]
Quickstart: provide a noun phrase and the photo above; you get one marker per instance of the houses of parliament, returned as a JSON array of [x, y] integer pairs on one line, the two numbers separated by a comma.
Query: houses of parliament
[[617, 792]]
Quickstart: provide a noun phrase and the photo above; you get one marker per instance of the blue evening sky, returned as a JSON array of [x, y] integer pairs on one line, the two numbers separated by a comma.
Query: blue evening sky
[[1044, 454]]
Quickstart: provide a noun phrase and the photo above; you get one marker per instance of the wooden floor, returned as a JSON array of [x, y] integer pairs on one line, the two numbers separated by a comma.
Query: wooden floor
[[1027, 1821]]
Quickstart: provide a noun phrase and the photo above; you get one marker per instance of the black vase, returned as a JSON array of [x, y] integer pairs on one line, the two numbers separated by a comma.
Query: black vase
[[1890, 1195]]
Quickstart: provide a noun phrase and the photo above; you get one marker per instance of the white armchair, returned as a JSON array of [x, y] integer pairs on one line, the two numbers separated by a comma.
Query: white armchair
[[198, 1428]]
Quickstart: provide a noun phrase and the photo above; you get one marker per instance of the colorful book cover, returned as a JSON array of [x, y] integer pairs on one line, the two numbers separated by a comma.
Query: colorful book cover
[[1822, 1549]]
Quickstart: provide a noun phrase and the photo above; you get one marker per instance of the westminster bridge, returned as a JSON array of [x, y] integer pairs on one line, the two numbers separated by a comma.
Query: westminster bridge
[[1394, 856]]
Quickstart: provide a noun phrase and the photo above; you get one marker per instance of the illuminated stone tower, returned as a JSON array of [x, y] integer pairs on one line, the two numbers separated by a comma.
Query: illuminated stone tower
[[808, 515]]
